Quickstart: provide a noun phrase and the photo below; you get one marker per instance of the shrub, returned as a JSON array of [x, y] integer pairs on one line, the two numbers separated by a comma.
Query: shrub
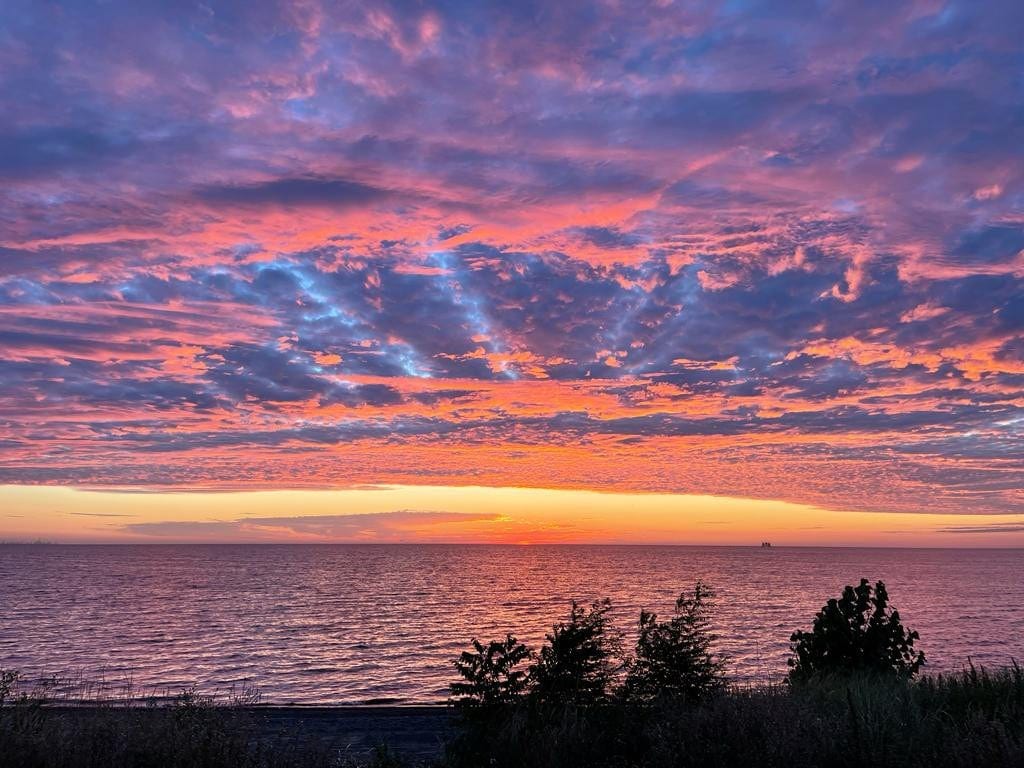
[[673, 658], [857, 633], [489, 672], [577, 663], [8, 682], [969, 720]]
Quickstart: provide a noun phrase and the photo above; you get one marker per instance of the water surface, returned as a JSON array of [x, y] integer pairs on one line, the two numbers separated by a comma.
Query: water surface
[[355, 623]]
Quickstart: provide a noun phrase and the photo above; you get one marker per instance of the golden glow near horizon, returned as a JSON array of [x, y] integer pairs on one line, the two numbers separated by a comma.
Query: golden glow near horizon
[[391, 514]]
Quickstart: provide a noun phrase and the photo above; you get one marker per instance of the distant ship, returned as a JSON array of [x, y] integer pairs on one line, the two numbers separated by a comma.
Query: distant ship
[[765, 544]]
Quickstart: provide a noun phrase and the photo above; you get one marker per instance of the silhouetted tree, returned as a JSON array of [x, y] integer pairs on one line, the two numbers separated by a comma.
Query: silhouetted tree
[[577, 664], [673, 658], [857, 633], [490, 674]]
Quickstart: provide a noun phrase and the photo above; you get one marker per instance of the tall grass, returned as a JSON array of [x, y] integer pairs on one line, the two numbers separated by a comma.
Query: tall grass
[[45, 725], [974, 718]]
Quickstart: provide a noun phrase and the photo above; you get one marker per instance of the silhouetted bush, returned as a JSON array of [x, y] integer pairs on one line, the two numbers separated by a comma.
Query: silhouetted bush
[[8, 681], [858, 633], [578, 662], [971, 720], [673, 658], [490, 674]]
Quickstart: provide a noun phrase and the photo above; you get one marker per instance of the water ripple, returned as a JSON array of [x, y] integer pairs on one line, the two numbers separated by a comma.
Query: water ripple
[[369, 623]]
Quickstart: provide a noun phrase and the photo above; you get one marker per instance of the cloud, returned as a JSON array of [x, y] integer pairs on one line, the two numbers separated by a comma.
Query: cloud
[[51, 149], [990, 528], [337, 193], [993, 243], [400, 525], [763, 252], [98, 514]]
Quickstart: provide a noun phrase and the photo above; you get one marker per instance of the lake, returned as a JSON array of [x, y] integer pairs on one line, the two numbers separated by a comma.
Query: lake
[[366, 623]]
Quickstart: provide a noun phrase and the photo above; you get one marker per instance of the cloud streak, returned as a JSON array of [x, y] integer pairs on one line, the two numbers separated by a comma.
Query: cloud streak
[[373, 527]]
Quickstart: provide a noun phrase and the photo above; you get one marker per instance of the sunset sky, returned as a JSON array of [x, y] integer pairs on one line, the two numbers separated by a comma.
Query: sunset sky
[[465, 271]]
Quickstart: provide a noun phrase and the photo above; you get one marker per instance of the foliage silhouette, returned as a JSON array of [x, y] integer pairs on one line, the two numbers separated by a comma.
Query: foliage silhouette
[[673, 658], [974, 719], [489, 673], [8, 681], [858, 633], [577, 663]]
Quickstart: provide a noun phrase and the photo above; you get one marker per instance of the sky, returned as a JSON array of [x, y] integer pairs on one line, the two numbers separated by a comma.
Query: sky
[[469, 271]]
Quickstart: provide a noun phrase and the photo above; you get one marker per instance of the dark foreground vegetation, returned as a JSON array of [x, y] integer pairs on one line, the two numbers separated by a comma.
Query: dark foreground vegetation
[[973, 719], [185, 731], [853, 698]]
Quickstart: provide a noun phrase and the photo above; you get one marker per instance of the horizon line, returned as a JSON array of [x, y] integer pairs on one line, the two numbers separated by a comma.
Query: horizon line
[[523, 545]]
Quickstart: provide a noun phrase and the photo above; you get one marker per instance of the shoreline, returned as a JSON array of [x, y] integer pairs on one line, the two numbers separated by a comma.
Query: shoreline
[[973, 720], [168, 701], [416, 731]]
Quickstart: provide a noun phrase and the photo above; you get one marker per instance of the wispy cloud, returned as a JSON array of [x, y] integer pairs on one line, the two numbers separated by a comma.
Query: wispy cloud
[[99, 514], [991, 528], [400, 525]]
